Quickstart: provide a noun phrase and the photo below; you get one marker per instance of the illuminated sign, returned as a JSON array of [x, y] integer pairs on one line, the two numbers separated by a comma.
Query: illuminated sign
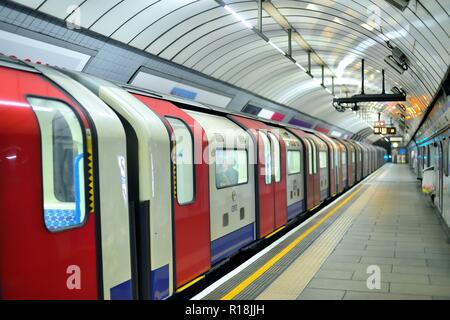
[[379, 123], [385, 130]]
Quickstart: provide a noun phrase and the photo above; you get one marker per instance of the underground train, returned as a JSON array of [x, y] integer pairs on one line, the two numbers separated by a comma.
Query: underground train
[[109, 191]]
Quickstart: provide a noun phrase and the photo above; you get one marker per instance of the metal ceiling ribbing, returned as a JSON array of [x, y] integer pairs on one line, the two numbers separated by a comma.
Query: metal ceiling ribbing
[[203, 36]]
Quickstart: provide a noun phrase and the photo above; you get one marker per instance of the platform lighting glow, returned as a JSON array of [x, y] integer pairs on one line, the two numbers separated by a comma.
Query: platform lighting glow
[[276, 47], [328, 90], [237, 16]]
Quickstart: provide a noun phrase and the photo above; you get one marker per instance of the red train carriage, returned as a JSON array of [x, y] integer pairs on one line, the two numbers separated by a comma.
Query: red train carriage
[[59, 228]]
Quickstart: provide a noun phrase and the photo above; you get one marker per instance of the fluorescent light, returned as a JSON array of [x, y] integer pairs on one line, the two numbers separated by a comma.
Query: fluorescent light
[[300, 66], [276, 47], [11, 157], [366, 26], [237, 16], [328, 90]]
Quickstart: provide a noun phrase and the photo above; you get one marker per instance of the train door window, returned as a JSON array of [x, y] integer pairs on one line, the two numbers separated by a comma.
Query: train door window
[[314, 157], [310, 157], [62, 146], [231, 167], [267, 158], [276, 157], [183, 158], [336, 157], [293, 161], [353, 156], [344, 158], [323, 159], [330, 150]]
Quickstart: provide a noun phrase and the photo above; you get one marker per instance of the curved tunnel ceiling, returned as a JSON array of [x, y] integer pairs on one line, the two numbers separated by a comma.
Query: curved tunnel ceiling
[[204, 36]]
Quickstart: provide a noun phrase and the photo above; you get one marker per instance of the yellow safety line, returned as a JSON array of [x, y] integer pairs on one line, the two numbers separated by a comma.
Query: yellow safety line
[[255, 275], [273, 232], [187, 285]]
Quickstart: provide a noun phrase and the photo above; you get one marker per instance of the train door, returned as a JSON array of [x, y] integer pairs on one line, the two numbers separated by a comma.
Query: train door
[[313, 169], [438, 164], [269, 218], [342, 159], [331, 148], [351, 163], [308, 165], [56, 249], [295, 187], [278, 148], [190, 192], [323, 168]]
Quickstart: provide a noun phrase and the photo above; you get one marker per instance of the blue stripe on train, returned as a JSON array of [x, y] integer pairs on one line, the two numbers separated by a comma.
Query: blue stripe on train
[[159, 281], [122, 291], [295, 209], [231, 243]]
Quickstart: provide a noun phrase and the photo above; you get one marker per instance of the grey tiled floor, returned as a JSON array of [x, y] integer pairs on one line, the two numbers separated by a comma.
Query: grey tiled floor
[[397, 231]]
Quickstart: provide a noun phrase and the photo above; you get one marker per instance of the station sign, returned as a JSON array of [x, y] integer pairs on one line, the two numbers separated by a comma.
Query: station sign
[[385, 130]]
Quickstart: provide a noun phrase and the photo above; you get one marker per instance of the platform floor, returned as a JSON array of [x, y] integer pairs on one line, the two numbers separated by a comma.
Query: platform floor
[[385, 222]]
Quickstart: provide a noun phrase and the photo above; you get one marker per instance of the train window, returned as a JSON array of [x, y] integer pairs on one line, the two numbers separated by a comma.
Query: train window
[[231, 167], [267, 158], [314, 156], [336, 157], [323, 159], [183, 157], [293, 162], [62, 146], [310, 160], [353, 157], [276, 157], [344, 158]]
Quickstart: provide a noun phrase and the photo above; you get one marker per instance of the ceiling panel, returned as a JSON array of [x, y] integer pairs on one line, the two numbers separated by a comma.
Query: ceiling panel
[[202, 35]]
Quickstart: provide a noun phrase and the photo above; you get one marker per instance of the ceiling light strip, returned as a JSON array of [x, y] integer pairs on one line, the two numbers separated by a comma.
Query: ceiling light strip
[[248, 25]]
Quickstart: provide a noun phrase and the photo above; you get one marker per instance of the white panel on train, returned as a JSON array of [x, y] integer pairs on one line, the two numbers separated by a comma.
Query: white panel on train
[[154, 170], [232, 195], [294, 174]]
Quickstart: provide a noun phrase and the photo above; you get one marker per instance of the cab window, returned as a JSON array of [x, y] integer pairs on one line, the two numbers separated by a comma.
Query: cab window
[[63, 172], [231, 167], [293, 162]]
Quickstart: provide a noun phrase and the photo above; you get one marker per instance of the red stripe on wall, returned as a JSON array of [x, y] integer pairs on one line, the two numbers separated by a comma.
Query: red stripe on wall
[[322, 129], [278, 116]]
